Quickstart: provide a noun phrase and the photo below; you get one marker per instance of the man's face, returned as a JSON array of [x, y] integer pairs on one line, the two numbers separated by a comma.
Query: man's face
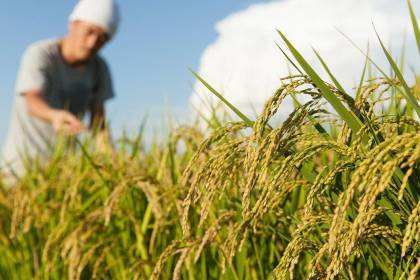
[[86, 39]]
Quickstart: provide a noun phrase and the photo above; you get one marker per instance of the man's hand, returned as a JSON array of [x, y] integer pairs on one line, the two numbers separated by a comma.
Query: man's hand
[[66, 123], [62, 121]]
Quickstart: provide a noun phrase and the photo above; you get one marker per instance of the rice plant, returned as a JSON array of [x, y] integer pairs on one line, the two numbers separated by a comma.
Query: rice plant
[[332, 192]]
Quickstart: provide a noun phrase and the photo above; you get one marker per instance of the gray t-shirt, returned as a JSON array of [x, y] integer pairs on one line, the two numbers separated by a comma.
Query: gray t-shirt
[[62, 87]]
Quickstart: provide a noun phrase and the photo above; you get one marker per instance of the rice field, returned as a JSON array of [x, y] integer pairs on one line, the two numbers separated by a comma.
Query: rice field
[[330, 193]]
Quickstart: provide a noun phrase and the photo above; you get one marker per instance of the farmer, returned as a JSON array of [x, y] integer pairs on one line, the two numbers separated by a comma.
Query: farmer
[[60, 80]]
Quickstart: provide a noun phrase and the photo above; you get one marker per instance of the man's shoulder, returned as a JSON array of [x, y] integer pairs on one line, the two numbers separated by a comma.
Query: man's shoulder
[[101, 62], [100, 59], [43, 47]]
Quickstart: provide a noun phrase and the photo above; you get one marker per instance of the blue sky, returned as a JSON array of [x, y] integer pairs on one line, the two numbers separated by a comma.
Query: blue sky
[[149, 58]]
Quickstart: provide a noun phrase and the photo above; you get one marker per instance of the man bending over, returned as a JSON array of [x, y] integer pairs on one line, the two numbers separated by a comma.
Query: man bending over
[[60, 80]]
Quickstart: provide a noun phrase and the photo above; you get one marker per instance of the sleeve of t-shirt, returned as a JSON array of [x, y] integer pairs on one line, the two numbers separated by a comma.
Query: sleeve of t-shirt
[[104, 88], [32, 74]]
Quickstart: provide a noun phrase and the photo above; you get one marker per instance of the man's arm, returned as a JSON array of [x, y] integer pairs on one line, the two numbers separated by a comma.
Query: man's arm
[[62, 121]]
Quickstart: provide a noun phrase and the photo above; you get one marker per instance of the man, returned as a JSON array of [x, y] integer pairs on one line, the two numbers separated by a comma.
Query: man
[[59, 80]]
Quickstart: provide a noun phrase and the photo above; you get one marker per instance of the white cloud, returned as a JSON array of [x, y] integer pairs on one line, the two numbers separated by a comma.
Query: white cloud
[[245, 64]]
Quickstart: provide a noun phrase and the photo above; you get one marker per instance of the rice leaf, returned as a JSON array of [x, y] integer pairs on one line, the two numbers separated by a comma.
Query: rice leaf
[[348, 116], [407, 91], [362, 78], [415, 24], [220, 96], [327, 69], [289, 59], [365, 54]]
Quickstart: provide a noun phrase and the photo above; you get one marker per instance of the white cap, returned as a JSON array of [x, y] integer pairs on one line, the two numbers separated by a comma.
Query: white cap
[[104, 13]]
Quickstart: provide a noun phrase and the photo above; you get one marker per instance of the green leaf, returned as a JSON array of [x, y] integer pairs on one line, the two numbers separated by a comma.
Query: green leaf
[[289, 59], [415, 24], [220, 96], [348, 116], [362, 78], [365, 54], [407, 91], [335, 81]]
